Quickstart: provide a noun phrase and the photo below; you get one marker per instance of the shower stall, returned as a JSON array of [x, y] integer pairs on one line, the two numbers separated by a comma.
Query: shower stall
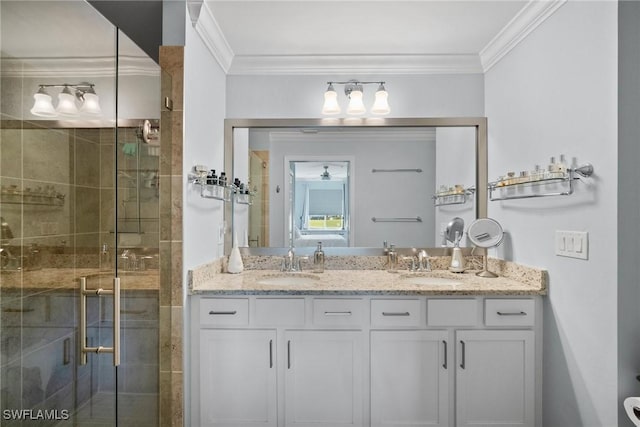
[[80, 220]]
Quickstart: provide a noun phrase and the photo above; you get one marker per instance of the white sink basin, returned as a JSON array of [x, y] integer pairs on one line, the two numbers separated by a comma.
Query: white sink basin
[[291, 279], [431, 281]]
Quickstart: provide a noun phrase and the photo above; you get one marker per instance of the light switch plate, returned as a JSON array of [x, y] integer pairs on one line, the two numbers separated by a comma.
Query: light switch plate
[[572, 244]]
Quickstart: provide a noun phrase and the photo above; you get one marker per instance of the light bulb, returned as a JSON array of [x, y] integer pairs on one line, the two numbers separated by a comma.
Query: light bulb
[[66, 103], [330, 101], [381, 103], [356, 106], [43, 107]]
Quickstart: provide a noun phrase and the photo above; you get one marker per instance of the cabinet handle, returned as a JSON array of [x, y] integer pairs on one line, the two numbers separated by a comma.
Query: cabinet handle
[[444, 365], [511, 313], [223, 313], [396, 313], [270, 354], [337, 313], [463, 354], [289, 354]]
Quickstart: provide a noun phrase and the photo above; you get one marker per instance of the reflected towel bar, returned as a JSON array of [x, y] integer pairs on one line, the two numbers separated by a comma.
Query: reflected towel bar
[[412, 219], [396, 170]]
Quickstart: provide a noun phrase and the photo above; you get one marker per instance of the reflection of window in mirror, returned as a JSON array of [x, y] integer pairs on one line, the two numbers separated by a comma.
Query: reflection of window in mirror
[[320, 202]]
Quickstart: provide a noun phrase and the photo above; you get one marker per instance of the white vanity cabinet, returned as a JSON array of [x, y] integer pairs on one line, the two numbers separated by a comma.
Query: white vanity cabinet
[[495, 378], [323, 379], [410, 373], [366, 360], [237, 378]]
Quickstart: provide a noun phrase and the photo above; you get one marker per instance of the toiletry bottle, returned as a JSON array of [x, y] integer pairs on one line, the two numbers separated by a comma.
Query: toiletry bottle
[[212, 178], [318, 259], [561, 167], [223, 179], [552, 169], [392, 259]]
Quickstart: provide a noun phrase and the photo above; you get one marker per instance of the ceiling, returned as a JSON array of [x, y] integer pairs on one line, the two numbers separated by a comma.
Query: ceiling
[[65, 38], [314, 37]]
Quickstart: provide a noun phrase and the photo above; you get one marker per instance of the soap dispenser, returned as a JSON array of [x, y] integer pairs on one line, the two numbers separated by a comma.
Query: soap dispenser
[[318, 259], [392, 259], [457, 259]]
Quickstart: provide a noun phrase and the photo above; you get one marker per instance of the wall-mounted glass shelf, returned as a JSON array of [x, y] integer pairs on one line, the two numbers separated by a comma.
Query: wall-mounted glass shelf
[[244, 198], [558, 184], [453, 197], [225, 193], [217, 192], [46, 197]]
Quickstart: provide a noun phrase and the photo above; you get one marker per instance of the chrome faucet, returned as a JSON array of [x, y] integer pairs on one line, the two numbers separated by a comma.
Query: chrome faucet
[[291, 262], [419, 261], [423, 261]]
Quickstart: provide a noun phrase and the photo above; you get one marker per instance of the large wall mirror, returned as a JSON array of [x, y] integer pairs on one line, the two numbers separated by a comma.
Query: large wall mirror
[[354, 185]]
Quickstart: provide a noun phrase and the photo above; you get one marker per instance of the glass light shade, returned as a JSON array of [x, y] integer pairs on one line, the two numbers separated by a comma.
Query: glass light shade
[[356, 106], [330, 102], [66, 103], [91, 105], [381, 103], [43, 106]]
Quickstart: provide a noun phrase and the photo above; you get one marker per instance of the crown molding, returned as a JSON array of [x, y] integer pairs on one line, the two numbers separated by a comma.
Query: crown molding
[[209, 30], [526, 21], [349, 64], [534, 13], [78, 67]]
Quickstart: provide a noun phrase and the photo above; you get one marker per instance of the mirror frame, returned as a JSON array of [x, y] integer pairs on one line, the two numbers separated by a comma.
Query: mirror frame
[[479, 123]]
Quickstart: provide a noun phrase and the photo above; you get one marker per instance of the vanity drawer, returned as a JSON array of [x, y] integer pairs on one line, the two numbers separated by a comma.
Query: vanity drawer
[[338, 312], [509, 312], [452, 312], [280, 311], [396, 312], [224, 311]]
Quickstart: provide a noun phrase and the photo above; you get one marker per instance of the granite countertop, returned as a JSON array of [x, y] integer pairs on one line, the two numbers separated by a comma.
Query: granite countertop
[[68, 278], [514, 280]]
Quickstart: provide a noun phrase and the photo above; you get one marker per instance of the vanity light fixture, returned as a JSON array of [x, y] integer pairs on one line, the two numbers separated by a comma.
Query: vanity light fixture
[[67, 107], [354, 91]]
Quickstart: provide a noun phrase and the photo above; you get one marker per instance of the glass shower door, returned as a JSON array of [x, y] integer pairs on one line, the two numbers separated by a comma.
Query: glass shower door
[[79, 204]]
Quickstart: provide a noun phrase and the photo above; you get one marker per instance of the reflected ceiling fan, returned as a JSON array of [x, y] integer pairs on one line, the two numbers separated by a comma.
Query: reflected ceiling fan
[[325, 176]]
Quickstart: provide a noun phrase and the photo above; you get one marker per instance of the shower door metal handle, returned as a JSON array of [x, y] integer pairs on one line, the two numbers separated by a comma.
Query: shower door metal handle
[[115, 350]]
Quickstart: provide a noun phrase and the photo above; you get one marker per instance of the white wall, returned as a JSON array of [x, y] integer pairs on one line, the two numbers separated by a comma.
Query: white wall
[[556, 93], [302, 96], [204, 112], [628, 202], [455, 164]]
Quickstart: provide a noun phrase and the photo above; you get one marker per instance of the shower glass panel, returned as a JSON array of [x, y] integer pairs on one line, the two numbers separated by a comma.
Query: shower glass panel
[[78, 205]]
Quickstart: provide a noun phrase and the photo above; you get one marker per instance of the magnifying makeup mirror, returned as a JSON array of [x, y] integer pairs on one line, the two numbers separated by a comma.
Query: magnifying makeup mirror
[[485, 233]]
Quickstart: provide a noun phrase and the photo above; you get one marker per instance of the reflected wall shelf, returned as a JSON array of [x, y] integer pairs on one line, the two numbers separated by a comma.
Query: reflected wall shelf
[[453, 198], [46, 197], [560, 185]]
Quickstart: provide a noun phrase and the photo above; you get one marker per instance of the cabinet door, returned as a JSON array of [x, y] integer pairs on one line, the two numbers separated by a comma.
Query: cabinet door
[[410, 378], [237, 378], [495, 378], [323, 378]]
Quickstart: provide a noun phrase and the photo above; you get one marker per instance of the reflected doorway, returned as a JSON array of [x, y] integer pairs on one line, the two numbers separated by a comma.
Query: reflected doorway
[[320, 202]]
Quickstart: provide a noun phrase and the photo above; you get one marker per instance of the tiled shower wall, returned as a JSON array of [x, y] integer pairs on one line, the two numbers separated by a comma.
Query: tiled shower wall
[[171, 286]]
